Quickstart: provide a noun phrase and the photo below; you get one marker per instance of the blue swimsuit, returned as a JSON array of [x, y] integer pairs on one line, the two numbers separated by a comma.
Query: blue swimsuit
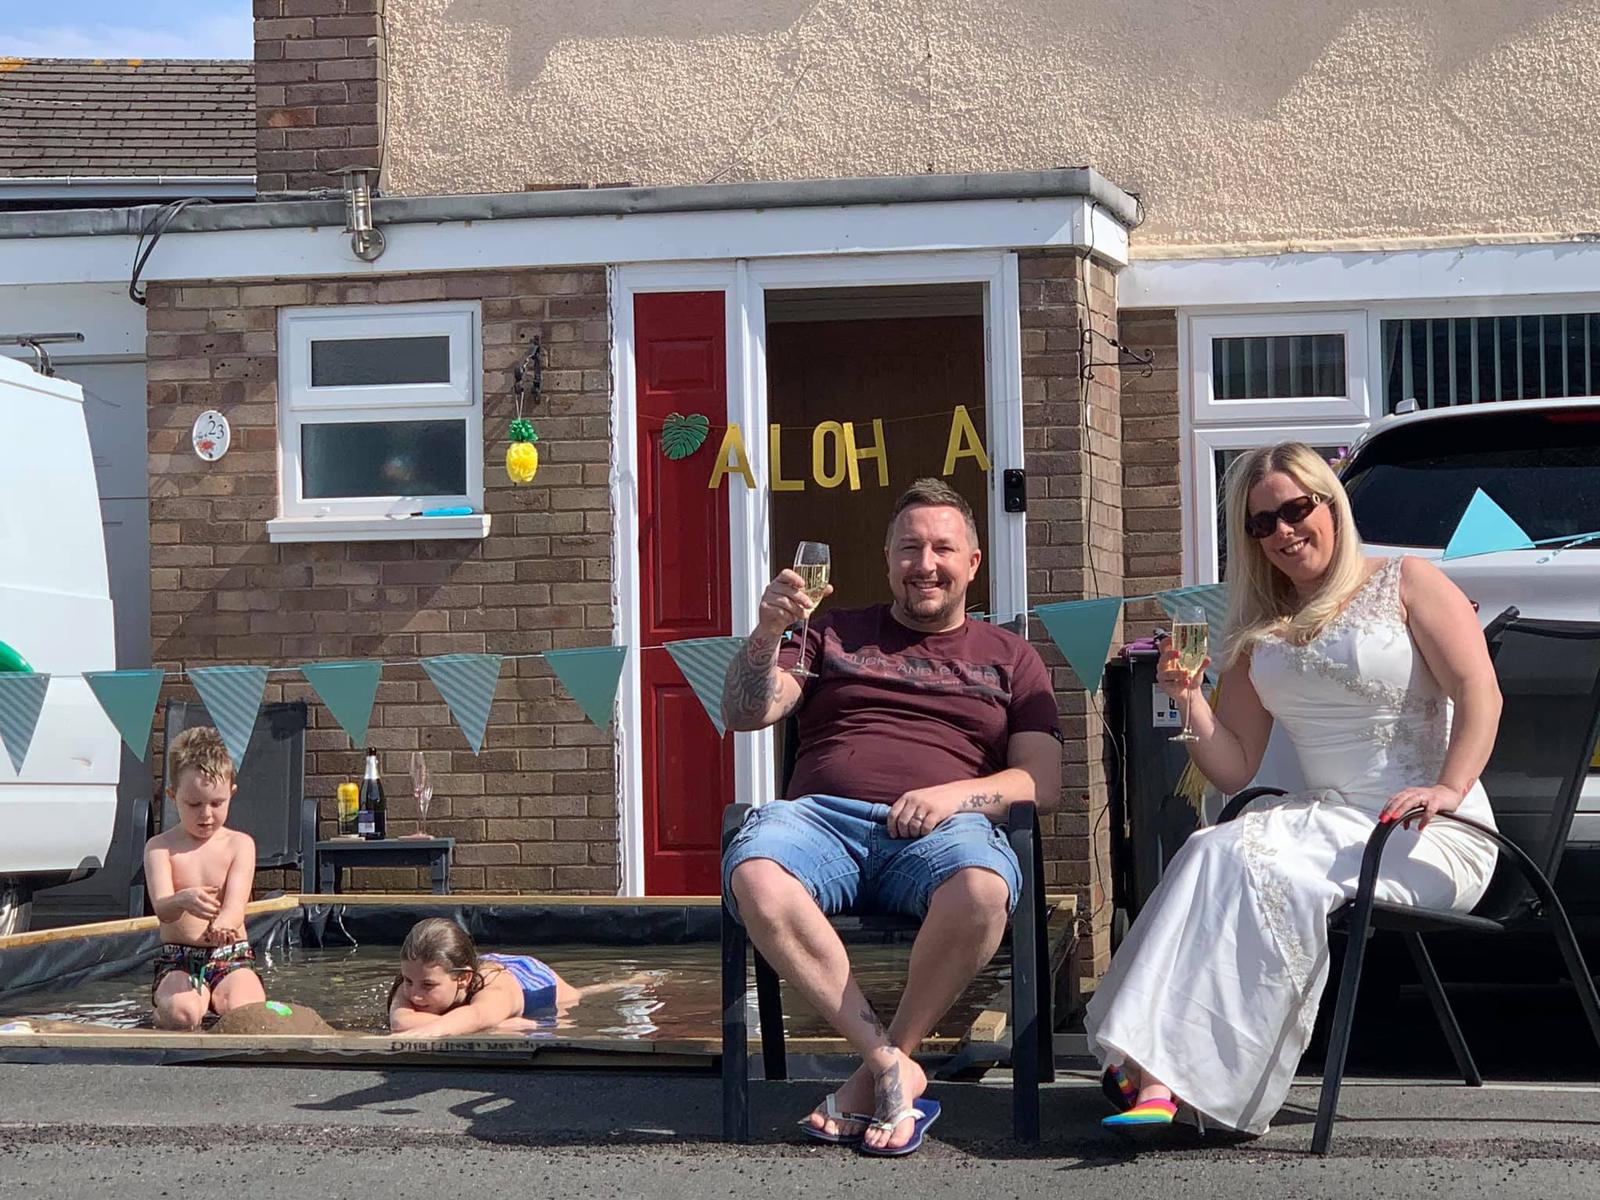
[[537, 980]]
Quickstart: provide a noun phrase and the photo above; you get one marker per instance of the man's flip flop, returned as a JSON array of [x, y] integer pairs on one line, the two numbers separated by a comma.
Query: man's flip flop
[[830, 1109], [924, 1114]]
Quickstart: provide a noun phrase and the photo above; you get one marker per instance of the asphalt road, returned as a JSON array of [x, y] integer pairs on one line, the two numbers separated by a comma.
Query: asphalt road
[[188, 1132]]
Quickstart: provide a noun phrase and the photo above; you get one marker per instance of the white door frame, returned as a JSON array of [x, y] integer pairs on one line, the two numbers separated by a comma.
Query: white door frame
[[745, 283]]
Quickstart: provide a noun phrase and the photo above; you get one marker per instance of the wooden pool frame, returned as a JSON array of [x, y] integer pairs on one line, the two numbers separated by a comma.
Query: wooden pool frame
[[153, 1046]]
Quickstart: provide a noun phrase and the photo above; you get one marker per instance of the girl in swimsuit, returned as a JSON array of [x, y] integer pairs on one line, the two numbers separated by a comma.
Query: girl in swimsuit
[[446, 988]]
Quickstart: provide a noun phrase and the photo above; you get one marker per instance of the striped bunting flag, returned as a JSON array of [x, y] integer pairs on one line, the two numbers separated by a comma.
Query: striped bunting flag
[[467, 683], [21, 698], [232, 696], [1082, 630], [590, 676], [348, 689], [129, 699], [704, 663]]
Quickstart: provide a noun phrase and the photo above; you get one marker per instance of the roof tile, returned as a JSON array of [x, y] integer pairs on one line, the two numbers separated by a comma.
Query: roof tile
[[126, 117]]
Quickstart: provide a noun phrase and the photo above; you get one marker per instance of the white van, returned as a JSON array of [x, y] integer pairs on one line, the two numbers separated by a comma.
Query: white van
[[57, 817]]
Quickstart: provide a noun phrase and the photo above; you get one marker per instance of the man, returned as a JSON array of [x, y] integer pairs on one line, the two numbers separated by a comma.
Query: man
[[918, 732]]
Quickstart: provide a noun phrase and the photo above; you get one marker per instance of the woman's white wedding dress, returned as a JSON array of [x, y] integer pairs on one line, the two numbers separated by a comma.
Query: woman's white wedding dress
[[1215, 989]]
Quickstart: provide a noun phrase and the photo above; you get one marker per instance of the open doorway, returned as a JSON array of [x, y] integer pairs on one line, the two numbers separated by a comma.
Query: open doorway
[[907, 356]]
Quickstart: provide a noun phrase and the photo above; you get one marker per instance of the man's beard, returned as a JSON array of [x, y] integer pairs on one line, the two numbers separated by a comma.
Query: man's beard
[[939, 608]]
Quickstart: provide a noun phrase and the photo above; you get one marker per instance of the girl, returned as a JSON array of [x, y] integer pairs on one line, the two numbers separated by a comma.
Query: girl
[[446, 988]]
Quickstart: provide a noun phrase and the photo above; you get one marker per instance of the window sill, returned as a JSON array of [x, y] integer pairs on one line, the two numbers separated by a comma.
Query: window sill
[[473, 527]]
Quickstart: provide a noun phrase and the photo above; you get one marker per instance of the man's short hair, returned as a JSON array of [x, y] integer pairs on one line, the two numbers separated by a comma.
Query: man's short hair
[[200, 749], [933, 493]]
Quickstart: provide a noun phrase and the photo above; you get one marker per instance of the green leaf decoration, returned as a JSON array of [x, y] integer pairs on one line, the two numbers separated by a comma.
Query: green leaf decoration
[[682, 435], [522, 430]]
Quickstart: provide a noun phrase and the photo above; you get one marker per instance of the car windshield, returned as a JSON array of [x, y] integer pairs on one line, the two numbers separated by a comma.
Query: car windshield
[[1410, 485]]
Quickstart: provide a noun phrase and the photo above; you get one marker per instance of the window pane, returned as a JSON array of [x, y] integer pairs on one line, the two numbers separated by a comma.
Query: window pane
[[383, 458], [1465, 360], [364, 362], [1409, 486], [1280, 367]]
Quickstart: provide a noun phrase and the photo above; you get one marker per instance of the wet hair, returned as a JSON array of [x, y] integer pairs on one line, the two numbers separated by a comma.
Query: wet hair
[[199, 749], [440, 942], [932, 493]]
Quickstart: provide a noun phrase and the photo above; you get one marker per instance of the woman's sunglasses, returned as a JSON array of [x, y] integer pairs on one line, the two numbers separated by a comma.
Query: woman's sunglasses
[[1264, 524]]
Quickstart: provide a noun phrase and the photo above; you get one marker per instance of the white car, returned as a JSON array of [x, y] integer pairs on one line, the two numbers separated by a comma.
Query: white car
[[1411, 476], [57, 816]]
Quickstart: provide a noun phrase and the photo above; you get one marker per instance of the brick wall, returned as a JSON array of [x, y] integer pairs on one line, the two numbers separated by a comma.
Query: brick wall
[[536, 811], [1151, 497], [321, 80], [1072, 435]]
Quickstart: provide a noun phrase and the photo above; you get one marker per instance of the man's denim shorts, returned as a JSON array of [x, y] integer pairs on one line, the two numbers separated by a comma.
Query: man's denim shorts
[[841, 850]]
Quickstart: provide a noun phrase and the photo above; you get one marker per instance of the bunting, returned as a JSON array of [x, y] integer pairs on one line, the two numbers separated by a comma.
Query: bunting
[[467, 683], [704, 663], [1082, 630], [590, 676], [232, 696], [348, 689], [1485, 528], [129, 699], [21, 699]]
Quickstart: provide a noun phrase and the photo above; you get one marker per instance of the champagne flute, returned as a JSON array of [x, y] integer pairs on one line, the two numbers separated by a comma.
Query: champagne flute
[[1189, 638], [421, 789], [811, 562]]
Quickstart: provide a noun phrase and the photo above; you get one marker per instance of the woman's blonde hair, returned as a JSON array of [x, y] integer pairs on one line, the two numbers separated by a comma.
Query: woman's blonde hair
[[1261, 598]]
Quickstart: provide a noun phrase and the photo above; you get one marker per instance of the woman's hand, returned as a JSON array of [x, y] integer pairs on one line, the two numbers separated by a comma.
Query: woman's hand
[[1177, 683], [1435, 799]]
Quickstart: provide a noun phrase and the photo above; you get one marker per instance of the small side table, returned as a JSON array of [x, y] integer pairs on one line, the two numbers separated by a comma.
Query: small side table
[[335, 855]]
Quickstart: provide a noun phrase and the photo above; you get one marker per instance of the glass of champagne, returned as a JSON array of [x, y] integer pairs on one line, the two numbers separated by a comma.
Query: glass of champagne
[[421, 789], [1189, 637], [811, 562]]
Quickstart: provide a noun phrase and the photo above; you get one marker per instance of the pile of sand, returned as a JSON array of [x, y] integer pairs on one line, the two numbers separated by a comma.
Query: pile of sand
[[272, 1017]]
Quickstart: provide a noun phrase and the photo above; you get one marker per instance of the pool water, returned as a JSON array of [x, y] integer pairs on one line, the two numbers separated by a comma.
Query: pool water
[[678, 994]]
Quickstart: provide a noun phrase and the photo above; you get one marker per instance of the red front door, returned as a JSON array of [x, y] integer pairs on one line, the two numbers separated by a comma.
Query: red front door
[[680, 364]]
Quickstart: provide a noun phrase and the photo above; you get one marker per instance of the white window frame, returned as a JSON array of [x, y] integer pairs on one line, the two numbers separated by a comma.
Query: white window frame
[[1351, 324], [1204, 486], [368, 518]]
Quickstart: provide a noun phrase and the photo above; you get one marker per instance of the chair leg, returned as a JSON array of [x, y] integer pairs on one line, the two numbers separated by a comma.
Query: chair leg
[[1344, 1011], [769, 1003], [735, 1034], [1025, 1033], [1576, 967], [1047, 984], [1441, 1010]]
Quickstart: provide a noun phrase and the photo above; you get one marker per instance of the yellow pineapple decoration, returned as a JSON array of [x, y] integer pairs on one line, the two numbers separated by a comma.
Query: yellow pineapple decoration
[[522, 456]]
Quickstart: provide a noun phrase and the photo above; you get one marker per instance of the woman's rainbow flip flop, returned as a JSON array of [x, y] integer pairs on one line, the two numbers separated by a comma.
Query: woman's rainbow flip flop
[[1150, 1114]]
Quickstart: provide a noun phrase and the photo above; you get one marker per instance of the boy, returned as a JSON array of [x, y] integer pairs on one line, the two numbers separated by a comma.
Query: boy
[[199, 877]]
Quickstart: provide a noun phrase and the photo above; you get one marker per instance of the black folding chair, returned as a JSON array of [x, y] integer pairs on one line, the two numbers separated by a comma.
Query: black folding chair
[[270, 805], [1549, 673], [1032, 990]]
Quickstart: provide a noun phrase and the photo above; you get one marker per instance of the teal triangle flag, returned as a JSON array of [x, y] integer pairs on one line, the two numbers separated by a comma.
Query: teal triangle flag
[[1209, 598], [129, 699], [1484, 528], [704, 663], [21, 698], [590, 676], [232, 696], [1083, 629], [467, 683], [348, 689]]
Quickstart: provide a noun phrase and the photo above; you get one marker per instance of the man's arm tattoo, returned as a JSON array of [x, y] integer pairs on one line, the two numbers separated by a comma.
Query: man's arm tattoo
[[981, 801], [751, 684]]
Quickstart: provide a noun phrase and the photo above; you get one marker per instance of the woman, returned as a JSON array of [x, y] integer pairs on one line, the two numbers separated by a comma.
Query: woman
[[1378, 672]]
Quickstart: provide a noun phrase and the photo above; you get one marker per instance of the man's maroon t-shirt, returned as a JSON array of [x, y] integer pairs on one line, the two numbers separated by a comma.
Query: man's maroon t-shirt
[[894, 709]]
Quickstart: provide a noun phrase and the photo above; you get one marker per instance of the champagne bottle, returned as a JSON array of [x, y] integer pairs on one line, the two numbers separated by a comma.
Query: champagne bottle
[[372, 819]]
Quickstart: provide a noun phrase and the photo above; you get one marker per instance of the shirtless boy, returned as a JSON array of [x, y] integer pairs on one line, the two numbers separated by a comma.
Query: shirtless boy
[[199, 877]]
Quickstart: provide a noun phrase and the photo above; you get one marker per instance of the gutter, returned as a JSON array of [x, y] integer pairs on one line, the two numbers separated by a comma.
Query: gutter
[[123, 187], [1084, 182]]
